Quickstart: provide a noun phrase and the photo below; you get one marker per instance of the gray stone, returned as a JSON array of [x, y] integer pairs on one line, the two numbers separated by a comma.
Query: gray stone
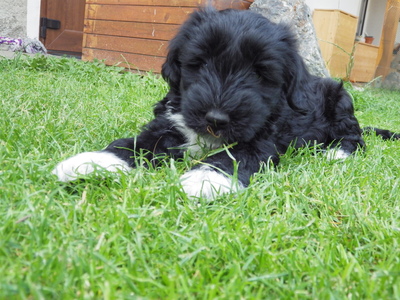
[[392, 81], [13, 18], [396, 62], [298, 15]]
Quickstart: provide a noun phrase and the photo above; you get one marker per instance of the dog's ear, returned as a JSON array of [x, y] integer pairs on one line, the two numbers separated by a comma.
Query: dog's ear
[[295, 75], [171, 69], [292, 77]]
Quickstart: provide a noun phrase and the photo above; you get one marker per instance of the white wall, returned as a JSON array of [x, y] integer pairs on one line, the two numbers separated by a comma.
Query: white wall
[[33, 19], [374, 19], [349, 6]]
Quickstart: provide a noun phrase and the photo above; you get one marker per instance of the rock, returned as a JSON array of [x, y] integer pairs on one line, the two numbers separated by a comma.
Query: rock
[[396, 62], [298, 15], [392, 81]]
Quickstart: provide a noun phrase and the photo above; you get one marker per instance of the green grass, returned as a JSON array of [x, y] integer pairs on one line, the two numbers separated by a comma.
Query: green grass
[[312, 229]]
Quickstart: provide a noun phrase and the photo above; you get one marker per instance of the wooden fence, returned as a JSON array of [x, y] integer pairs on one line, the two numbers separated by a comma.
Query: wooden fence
[[135, 33]]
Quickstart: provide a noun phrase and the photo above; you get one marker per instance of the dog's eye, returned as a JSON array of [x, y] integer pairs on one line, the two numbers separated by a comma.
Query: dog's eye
[[257, 75], [195, 65]]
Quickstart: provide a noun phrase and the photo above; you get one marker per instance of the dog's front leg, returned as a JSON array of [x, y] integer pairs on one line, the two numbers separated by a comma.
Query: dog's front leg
[[225, 172], [207, 181], [158, 139]]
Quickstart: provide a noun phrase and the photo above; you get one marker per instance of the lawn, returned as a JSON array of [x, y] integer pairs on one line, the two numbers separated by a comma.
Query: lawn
[[311, 229]]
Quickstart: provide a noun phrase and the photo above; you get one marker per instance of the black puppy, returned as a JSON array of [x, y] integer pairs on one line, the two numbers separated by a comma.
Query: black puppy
[[236, 80]]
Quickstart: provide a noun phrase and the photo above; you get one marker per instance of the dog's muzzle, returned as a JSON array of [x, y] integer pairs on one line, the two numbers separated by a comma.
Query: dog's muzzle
[[217, 119]]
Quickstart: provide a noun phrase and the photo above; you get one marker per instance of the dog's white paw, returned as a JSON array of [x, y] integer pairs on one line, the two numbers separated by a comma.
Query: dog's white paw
[[332, 154], [206, 183], [87, 162]]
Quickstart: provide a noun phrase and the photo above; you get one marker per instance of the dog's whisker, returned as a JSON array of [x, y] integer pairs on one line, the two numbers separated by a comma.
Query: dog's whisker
[[211, 131]]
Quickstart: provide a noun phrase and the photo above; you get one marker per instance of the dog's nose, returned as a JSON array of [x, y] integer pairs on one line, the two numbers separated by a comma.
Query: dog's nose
[[217, 118]]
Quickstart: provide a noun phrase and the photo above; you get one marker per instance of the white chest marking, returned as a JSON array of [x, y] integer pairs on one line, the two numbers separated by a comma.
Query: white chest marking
[[195, 143]]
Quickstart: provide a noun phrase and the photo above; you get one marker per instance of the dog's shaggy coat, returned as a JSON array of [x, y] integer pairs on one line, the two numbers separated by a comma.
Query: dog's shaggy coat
[[235, 79]]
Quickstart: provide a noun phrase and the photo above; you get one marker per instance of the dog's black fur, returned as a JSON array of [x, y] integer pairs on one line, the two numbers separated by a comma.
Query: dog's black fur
[[237, 79]]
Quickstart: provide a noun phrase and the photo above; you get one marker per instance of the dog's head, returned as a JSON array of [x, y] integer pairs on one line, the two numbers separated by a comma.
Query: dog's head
[[232, 70]]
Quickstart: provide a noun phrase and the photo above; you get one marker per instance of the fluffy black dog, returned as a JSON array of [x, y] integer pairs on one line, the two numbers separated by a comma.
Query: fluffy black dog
[[236, 81]]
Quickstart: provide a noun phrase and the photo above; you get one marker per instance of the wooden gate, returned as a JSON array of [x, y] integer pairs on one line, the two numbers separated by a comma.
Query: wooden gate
[[61, 25]]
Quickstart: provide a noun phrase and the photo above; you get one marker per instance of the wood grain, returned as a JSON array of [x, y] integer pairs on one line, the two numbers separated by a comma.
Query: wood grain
[[132, 29], [146, 14], [130, 61], [186, 3], [219, 4], [127, 44], [336, 31], [365, 62]]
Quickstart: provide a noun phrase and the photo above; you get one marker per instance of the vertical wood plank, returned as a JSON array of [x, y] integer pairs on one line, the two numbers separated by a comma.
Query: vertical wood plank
[[389, 31]]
